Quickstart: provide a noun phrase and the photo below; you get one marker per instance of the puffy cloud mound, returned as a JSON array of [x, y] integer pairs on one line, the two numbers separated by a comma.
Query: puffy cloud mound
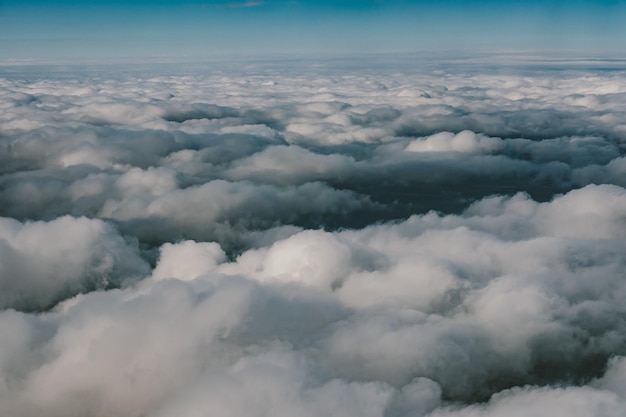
[[42, 263], [295, 240]]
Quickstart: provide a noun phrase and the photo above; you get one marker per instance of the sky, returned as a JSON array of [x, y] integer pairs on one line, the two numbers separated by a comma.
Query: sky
[[99, 29]]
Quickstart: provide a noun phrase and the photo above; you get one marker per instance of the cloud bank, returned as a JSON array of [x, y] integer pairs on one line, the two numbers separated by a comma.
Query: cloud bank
[[323, 241]]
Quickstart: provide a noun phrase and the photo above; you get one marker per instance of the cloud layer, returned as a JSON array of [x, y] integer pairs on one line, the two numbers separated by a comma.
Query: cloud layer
[[302, 242]]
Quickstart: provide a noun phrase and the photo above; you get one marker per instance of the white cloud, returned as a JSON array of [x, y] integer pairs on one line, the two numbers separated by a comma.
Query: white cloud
[[187, 260], [42, 263], [313, 241]]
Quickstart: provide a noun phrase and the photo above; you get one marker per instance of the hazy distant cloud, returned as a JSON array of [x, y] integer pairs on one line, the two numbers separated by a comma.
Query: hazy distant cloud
[[305, 242], [245, 4]]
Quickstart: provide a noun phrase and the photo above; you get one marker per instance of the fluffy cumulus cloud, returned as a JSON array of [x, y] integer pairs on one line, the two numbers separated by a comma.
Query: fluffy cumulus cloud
[[292, 240], [42, 263]]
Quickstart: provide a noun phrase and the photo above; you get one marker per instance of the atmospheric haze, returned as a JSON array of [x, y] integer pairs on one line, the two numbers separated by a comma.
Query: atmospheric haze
[[312, 239]]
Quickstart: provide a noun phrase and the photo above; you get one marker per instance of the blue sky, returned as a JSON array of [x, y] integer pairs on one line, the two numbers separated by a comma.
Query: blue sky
[[78, 29]]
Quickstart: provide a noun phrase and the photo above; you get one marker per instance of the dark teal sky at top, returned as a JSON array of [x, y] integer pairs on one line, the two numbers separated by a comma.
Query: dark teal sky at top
[[75, 29]]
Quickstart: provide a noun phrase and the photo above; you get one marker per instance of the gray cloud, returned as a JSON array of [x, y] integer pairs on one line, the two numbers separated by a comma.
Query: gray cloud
[[42, 263], [319, 241]]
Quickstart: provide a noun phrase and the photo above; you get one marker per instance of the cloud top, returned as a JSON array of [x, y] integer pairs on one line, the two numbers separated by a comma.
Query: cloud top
[[335, 241]]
